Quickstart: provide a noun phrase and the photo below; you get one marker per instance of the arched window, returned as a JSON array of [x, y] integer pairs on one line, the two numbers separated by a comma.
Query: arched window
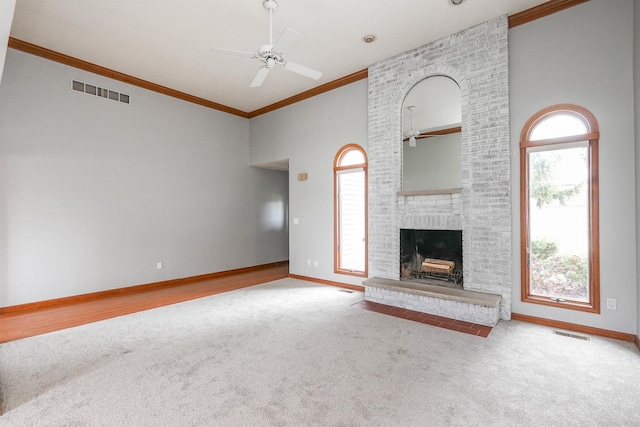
[[559, 203], [350, 192]]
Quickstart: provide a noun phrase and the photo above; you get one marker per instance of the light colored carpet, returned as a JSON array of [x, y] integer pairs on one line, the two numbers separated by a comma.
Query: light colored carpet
[[292, 353]]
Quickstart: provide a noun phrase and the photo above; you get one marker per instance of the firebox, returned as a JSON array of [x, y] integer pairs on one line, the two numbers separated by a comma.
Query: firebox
[[433, 256]]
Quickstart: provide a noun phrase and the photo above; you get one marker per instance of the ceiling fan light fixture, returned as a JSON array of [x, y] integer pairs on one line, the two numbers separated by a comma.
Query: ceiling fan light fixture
[[412, 133], [455, 2]]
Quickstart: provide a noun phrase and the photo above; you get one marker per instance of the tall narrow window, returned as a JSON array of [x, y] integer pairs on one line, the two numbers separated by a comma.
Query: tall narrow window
[[350, 187], [559, 202]]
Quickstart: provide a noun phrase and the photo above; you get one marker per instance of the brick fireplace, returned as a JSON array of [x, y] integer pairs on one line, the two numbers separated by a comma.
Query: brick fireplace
[[477, 59]]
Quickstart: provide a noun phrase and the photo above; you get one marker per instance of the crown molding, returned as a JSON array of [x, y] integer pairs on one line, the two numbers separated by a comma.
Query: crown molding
[[116, 75], [540, 11], [354, 77], [61, 58]]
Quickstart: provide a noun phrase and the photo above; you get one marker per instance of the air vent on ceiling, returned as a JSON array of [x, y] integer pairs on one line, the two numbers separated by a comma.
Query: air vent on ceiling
[[99, 91], [567, 334]]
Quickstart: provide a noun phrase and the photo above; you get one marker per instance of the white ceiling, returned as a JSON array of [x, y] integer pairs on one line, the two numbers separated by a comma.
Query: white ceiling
[[168, 42]]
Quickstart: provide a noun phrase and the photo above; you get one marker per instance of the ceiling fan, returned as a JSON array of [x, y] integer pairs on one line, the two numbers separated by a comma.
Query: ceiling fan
[[412, 134], [272, 54], [421, 135]]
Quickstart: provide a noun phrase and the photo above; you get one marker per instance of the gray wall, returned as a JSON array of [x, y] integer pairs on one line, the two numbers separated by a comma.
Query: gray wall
[[309, 134], [93, 192], [583, 56]]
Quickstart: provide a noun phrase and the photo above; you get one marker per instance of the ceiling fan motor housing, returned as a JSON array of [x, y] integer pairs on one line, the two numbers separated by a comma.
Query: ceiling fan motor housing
[[265, 50], [270, 57]]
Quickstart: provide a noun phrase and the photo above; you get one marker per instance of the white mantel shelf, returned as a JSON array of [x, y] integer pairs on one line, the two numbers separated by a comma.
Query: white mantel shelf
[[429, 192]]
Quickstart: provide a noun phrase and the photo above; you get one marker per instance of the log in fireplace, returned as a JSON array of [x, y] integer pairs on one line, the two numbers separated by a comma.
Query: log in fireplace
[[433, 256]]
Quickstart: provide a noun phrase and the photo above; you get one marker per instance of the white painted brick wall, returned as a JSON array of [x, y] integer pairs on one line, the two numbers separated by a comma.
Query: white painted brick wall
[[477, 58]]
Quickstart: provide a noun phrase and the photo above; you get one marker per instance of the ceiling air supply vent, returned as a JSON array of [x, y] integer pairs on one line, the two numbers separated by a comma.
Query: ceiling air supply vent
[[99, 91]]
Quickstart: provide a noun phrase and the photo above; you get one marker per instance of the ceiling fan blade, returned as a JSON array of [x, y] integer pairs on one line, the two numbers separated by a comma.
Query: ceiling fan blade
[[301, 69], [287, 38], [261, 75], [232, 52], [440, 132]]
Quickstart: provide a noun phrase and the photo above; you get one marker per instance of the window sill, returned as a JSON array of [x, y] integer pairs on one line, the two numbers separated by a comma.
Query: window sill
[[570, 305], [351, 273]]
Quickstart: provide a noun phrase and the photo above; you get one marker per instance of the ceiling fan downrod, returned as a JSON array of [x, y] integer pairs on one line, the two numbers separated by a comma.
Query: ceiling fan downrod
[[270, 6]]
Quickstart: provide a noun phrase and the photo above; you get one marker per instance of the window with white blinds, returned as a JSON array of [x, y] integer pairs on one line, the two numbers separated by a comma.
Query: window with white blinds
[[350, 180]]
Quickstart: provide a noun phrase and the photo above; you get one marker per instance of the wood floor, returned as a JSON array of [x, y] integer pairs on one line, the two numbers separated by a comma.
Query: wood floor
[[41, 320]]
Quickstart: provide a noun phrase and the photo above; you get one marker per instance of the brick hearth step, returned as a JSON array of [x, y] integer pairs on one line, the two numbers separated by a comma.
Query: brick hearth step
[[459, 304]]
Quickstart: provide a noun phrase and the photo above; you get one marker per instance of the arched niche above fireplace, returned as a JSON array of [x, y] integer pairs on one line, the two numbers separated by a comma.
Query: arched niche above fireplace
[[431, 137]]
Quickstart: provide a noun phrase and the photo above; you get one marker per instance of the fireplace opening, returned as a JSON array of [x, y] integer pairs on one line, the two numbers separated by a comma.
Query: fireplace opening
[[431, 256]]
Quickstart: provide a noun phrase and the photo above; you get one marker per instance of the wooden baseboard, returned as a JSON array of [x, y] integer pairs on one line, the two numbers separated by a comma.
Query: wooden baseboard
[[576, 328], [637, 340], [328, 282], [133, 289]]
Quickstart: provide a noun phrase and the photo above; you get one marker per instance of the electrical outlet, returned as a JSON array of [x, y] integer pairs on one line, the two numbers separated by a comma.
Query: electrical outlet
[[308, 262], [159, 266], [315, 263], [611, 303]]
